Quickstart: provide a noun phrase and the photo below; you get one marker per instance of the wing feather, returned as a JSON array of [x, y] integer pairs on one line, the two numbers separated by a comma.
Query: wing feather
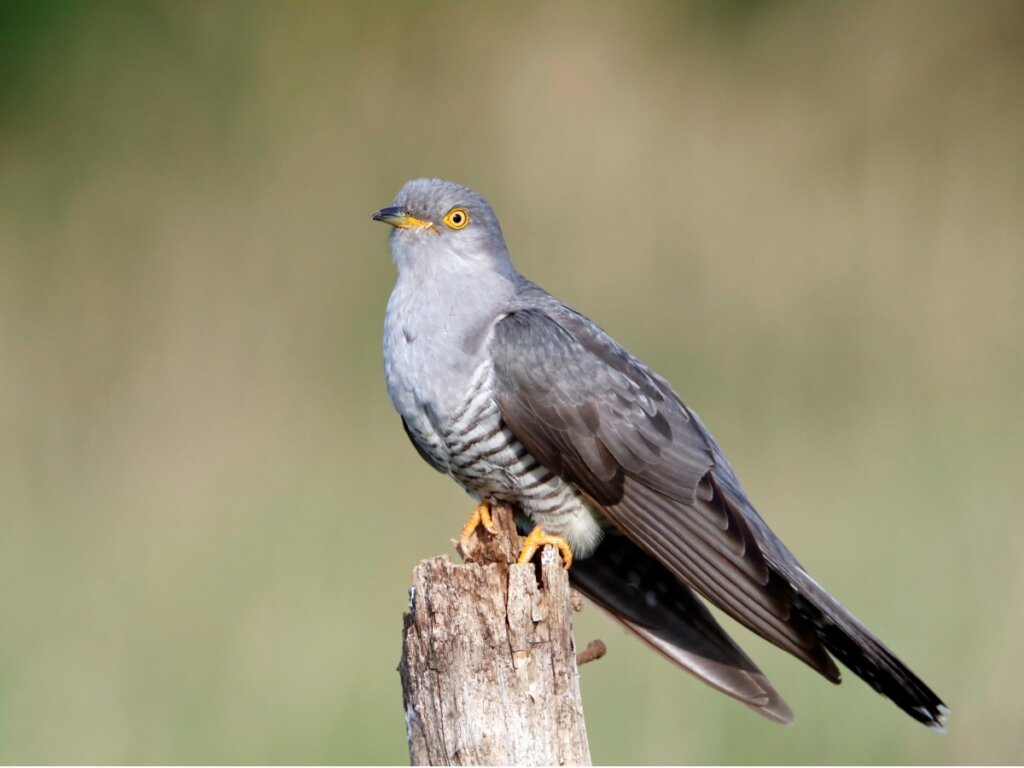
[[595, 415], [591, 412]]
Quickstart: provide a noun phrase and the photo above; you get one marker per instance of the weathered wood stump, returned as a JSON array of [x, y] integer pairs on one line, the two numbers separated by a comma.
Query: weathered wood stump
[[488, 667]]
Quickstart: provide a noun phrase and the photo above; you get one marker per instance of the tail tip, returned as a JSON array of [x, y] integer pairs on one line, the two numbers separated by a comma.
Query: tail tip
[[934, 718]]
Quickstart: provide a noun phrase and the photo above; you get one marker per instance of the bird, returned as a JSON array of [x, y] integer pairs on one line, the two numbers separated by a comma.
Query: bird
[[523, 400]]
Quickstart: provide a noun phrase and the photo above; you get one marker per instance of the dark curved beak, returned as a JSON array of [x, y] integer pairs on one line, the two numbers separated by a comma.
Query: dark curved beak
[[399, 217]]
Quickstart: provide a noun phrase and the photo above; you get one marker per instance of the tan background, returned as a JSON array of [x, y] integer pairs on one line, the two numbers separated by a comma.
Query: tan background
[[807, 215]]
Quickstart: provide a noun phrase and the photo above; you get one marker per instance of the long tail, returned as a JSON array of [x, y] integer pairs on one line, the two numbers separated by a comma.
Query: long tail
[[637, 591], [864, 654], [838, 630]]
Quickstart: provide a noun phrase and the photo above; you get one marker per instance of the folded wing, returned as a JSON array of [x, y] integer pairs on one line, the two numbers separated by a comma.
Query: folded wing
[[591, 412]]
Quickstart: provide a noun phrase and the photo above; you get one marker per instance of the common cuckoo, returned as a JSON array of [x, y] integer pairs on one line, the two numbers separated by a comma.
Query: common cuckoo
[[521, 399]]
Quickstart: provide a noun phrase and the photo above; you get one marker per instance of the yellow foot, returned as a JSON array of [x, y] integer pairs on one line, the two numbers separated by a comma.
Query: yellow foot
[[538, 539], [481, 516]]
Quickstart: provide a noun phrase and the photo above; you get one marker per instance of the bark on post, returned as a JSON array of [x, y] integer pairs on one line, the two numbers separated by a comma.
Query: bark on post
[[488, 663]]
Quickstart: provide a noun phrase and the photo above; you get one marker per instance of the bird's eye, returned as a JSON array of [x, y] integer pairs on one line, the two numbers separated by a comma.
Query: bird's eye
[[456, 218]]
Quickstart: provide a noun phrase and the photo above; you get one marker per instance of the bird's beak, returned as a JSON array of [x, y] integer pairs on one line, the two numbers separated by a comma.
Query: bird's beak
[[400, 218]]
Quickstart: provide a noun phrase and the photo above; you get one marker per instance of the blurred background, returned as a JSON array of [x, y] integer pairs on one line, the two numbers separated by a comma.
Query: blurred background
[[808, 216]]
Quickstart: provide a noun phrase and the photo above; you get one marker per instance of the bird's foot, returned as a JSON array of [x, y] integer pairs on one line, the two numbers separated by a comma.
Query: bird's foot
[[537, 539], [481, 516]]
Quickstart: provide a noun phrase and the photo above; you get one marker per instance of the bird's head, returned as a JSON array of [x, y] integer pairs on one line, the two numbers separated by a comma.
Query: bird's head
[[439, 222]]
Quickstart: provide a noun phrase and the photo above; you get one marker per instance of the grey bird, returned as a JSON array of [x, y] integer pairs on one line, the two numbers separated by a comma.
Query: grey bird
[[521, 399]]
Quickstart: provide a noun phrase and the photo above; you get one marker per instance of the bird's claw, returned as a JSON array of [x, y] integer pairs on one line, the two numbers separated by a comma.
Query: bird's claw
[[537, 539], [481, 517]]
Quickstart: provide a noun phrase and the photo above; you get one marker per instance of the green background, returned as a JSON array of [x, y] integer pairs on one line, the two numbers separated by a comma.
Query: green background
[[808, 216]]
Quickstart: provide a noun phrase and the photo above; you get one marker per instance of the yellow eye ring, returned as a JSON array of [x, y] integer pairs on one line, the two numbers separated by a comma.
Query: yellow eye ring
[[457, 218]]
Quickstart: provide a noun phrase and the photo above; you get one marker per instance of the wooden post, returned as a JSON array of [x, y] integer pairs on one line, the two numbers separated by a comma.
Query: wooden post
[[488, 663]]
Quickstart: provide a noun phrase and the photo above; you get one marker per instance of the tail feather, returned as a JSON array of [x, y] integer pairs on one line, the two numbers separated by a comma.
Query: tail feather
[[865, 655], [838, 630], [637, 591]]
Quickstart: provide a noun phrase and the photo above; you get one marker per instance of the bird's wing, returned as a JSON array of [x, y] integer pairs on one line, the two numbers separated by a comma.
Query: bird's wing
[[588, 410]]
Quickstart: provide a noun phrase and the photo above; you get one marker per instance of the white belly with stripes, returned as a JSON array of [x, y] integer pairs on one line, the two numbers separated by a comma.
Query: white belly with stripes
[[486, 459]]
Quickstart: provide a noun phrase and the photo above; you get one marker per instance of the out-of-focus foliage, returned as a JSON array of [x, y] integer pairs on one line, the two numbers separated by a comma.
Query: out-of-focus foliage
[[808, 216]]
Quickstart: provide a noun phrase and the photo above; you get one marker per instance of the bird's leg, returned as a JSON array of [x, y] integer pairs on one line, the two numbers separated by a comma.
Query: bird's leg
[[537, 539], [481, 516]]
